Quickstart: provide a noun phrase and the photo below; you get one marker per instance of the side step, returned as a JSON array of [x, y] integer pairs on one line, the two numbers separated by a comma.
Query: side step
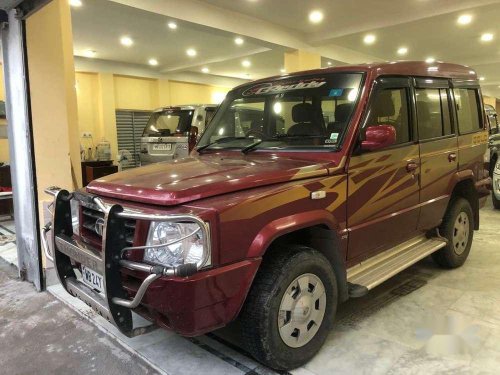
[[374, 271]]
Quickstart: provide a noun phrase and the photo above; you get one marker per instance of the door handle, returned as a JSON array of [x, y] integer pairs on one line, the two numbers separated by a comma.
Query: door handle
[[452, 157], [411, 166]]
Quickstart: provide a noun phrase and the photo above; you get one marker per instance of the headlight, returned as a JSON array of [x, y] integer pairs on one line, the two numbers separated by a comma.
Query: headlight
[[184, 243]]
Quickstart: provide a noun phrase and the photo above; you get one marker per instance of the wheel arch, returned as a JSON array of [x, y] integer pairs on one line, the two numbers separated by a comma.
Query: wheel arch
[[315, 229], [466, 189]]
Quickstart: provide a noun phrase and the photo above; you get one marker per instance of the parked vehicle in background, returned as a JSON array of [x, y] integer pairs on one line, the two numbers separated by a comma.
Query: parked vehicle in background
[[172, 132], [493, 153], [305, 190]]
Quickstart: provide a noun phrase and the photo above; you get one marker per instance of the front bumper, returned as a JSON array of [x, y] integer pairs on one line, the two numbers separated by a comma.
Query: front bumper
[[166, 295]]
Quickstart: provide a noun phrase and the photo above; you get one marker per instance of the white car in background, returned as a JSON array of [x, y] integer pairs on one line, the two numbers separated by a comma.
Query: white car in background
[[172, 132]]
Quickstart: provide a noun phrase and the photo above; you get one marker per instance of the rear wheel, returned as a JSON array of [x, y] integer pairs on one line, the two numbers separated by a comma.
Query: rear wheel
[[495, 196], [458, 229], [290, 308]]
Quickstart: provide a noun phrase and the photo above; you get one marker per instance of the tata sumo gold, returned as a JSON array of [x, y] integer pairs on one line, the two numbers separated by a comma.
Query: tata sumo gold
[[331, 182]]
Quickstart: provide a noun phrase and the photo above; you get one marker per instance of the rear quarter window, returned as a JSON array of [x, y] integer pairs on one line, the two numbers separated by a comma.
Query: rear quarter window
[[467, 102]]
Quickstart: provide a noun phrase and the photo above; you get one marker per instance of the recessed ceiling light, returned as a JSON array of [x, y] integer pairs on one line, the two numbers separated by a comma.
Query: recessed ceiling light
[[246, 63], [75, 3], [126, 41], [329, 63], [153, 62], [205, 70], [316, 16], [430, 60], [464, 19], [172, 25], [402, 51], [482, 78], [239, 41], [369, 39], [487, 37], [283, 70], [89, 53], [191, 52]]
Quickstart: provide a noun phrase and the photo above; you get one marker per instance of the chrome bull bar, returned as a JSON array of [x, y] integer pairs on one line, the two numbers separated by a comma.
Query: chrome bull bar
[[114, 305]]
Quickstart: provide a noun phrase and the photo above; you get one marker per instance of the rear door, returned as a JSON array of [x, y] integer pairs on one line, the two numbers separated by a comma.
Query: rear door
[[383, 186], [438, 148]]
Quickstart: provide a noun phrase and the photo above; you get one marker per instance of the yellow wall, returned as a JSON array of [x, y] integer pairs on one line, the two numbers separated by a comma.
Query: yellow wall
[[194, 93], [490, 100], [135, 93], [4, 144]]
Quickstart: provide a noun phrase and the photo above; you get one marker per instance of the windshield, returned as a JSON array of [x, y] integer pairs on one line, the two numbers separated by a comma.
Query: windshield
[[168, 122], [296, 112]]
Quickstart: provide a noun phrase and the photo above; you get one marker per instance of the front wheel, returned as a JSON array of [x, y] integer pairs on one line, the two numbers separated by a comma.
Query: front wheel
[[458, 229], [290, 308]]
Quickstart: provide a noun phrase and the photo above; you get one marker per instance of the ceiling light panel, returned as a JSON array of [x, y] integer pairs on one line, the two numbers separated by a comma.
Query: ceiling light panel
[[487, 37], [191, 52], [402, 51], [464, 19], [126, 41], [239, 41], [172, 25], [246, 63], [316, 16], [369, 39]]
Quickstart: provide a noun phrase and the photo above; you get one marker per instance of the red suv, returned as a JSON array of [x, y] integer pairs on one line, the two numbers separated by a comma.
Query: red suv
[[338, 180]]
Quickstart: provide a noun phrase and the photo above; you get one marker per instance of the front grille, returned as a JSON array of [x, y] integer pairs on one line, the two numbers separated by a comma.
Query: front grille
[[89, 218]]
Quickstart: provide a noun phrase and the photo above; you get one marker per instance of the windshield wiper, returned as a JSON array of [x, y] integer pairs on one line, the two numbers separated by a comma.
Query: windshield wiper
[[252, 146], [219, 141]]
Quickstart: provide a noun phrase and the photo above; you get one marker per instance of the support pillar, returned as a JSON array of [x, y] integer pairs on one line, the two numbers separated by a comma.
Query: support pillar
[[301, 60]]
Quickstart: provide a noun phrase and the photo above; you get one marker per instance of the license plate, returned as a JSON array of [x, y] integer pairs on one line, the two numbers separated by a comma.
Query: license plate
[[92, 279], [162, 147]]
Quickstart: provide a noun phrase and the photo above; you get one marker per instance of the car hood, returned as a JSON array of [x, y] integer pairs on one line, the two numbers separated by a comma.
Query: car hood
[[189, 179]]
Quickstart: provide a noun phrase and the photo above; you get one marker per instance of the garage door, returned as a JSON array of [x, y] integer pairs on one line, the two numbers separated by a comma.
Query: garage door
[[130, 125]]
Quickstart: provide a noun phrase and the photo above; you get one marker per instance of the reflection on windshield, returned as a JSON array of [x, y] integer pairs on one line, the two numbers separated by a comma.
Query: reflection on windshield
[[169, 122], [299, 112]]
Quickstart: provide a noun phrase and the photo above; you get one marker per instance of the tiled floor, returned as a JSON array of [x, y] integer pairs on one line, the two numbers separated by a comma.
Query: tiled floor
[[425, 320], [8, 250]]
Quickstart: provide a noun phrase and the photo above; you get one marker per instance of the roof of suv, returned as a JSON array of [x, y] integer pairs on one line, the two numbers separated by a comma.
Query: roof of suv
[[184, 107], [406, 68]]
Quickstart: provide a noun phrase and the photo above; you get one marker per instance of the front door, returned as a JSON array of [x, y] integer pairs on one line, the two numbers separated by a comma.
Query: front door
[[383, 186]]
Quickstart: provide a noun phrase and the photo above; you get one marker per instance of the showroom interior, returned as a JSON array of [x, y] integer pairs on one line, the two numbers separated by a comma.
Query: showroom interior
[[80, 81]]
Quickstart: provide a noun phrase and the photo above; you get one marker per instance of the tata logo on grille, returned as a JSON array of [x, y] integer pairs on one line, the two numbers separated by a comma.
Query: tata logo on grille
[[270, 88], [99, 226]]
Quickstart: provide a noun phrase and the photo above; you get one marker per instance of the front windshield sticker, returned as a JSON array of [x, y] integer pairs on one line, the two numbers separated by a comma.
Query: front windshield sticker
[[336, 93], [278, 87]]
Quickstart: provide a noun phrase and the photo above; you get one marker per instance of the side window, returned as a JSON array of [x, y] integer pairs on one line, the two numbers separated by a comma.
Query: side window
[[390, 107], [467, 101], [433, 113]]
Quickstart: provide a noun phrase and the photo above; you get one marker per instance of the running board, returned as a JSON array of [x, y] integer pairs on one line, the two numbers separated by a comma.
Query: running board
[[374, 271]]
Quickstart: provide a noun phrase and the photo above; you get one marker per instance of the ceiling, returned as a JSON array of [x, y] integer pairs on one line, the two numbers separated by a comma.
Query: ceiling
[[269, 28]]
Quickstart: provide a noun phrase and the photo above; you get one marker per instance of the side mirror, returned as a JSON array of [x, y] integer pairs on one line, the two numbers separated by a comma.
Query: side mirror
[[193, 137], [378, 137]]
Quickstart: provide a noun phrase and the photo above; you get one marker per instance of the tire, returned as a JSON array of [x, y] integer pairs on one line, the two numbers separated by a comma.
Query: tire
[[458, 219], [496, 201], [260, 318]]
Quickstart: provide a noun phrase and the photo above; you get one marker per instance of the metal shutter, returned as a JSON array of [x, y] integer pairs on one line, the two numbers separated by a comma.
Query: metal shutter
[[129, 128]]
